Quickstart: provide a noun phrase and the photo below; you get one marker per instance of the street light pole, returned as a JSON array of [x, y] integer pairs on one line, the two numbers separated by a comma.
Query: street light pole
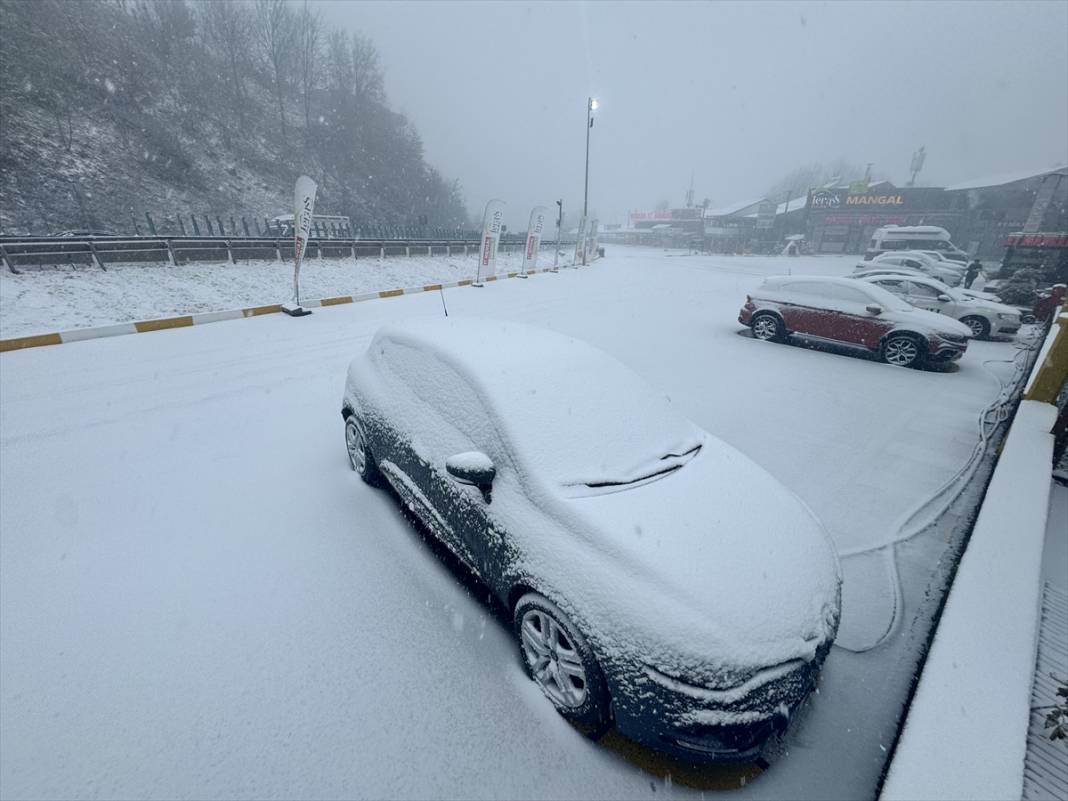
[[559, 222], [591, 106]]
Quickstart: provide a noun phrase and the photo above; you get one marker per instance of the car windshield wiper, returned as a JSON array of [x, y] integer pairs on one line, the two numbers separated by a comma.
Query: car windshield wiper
[[668, 463]]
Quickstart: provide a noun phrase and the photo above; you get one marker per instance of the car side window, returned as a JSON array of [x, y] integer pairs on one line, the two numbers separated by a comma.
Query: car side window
[[912, 263], [922, 290], [849, 295], [446, 392], [897, 287], [806, 288]]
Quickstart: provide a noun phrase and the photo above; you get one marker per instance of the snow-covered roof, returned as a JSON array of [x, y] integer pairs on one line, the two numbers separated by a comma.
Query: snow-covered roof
[[734, 208], [795, 204], [1004, 178]]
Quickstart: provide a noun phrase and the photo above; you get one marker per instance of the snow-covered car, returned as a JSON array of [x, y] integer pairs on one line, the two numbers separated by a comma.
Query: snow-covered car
[[955, 258], [948, 272], [983, 317], [864, 269], [657, 577], [844, 311]]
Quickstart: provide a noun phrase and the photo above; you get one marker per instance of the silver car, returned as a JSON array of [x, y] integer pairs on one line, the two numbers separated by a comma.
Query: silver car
[[984, 317]]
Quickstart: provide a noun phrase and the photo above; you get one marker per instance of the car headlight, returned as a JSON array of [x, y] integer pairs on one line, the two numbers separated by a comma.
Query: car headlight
[[1007, 316]]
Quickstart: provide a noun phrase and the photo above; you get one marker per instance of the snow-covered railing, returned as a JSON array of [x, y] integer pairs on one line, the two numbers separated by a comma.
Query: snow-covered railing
[[17, 253], [966, 730]]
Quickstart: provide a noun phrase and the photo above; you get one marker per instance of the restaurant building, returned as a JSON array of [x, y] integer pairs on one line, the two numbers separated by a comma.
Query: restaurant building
[[841, 219]]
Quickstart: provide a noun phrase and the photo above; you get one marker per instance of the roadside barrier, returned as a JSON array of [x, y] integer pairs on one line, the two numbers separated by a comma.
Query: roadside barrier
[[18, 253], [202, 318]]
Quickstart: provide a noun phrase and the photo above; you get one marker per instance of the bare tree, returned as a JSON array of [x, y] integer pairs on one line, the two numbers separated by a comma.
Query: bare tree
[[310, 36], [227, 30], [276, 37], [367, 82], [338, 62]]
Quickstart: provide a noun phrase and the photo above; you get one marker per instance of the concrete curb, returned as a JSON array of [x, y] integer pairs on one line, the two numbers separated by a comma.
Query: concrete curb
[[202, 318]]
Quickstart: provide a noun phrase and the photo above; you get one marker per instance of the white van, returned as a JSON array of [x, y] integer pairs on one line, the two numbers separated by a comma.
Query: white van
[[913, 237]]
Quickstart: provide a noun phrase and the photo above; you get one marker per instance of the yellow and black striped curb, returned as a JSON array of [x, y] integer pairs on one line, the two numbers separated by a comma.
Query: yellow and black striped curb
[[144, 326]]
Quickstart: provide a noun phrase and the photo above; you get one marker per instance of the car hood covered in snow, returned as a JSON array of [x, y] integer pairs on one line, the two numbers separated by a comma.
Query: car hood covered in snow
[[720, 562]]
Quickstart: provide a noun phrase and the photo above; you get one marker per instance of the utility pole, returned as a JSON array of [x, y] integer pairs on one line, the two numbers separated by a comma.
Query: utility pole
[[559, 222], [918, 158], [591, 106], [689, 193], [786, 215]]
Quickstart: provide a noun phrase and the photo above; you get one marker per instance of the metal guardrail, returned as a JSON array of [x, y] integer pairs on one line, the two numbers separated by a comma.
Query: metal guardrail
[[17, 252]]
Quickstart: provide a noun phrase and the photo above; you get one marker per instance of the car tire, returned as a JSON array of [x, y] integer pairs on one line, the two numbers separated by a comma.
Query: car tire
[[902, 350], [768, 327], [980, 327], [360, 457], [559, 660]]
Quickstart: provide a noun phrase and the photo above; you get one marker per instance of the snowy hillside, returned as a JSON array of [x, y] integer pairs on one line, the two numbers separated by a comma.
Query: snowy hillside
[[108, 111]]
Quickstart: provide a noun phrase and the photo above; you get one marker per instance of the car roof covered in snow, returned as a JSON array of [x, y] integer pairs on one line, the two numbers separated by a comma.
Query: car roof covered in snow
[[877, 293], [570, 411]]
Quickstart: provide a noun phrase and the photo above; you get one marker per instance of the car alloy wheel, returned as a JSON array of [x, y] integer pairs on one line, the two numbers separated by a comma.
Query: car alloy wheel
[[554, 663], [360, 457], [901, 351], [980, 327], [355, 445], [561, 662], [767, 328]]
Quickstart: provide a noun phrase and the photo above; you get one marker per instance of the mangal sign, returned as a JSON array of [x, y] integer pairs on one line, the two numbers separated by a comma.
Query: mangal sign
[[888, 198]]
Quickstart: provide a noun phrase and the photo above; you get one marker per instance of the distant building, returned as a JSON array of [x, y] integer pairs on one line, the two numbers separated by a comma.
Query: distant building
[[662, 227], [1000, 205], [978, 214], [841, 219]]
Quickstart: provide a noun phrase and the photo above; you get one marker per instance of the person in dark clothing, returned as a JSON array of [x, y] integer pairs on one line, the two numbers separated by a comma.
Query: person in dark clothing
[[972, 273]]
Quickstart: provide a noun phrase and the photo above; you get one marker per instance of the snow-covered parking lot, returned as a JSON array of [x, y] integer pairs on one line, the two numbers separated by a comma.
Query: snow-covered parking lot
[[198, 598]]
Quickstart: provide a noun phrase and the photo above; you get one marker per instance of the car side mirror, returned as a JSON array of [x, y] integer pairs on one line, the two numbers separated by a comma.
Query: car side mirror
[[945, 298], [874, 308], [474, 468]]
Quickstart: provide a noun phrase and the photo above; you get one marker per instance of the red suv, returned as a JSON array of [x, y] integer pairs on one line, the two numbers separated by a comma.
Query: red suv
[[847, 312]]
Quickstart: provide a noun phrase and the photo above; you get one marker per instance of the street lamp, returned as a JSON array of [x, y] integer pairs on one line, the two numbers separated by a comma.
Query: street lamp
[[591, 106]]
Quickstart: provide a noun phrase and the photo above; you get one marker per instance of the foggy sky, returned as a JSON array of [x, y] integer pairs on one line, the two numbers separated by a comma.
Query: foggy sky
[[737, 94]]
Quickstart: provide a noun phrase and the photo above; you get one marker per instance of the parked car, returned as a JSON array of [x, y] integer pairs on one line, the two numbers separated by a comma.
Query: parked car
[[848, 312], [865, 269], [954, 257], [983, 317], [657, 577], [945, 272], [912, 237]]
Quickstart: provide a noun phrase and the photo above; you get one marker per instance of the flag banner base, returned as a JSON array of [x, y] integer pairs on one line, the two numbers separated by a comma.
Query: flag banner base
[[479, 284], [522, 275], [295, 310]]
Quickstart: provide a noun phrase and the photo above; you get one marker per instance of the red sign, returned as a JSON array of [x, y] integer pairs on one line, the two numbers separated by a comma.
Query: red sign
[[645, 216], [1038, 240]]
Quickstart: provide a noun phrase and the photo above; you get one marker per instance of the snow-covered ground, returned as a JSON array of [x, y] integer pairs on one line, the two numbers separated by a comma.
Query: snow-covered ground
[[45, 299], [198, 598]]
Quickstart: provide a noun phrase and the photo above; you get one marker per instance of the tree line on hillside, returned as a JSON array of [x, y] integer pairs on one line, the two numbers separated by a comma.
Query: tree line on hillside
[[262, 83]]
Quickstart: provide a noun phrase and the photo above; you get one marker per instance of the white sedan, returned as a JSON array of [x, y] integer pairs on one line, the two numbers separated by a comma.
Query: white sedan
[[984, 317], [947, 272]]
